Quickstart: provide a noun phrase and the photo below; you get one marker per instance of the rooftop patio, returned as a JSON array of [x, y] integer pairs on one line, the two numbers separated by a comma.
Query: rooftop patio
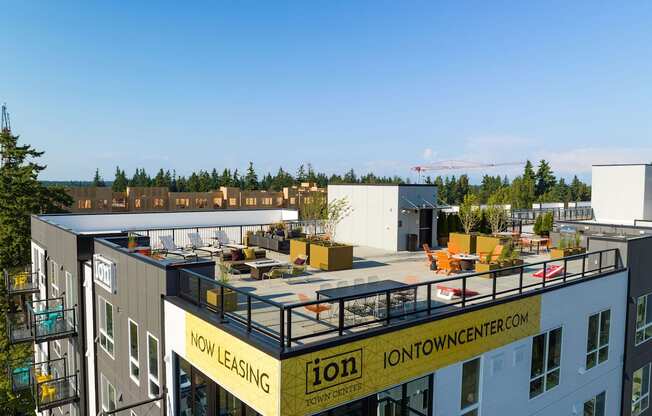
[[382, 289]]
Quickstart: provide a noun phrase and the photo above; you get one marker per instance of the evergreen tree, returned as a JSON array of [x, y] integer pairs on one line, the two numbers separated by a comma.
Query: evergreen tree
[[97, 179], [545, 179], [225, 179], [215, 180], [204, 181], [21, 194], [120, 180], [250, 179], [193, 183], [160, 180], [350, 177], [301, 174]]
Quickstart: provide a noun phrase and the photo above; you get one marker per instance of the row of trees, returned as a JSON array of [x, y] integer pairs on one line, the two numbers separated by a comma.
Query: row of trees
[[21, 194], [524, 190], [204, 181], [531, 186]]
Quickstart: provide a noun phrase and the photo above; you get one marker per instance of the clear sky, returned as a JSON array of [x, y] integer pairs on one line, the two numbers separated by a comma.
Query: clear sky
[[377, 86]]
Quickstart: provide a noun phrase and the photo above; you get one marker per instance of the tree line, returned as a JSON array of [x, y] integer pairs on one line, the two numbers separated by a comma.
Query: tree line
[[524, 190]]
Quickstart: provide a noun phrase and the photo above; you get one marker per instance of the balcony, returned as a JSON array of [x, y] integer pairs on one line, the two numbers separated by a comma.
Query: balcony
[[21, 282], [49, 382], [42, 320]]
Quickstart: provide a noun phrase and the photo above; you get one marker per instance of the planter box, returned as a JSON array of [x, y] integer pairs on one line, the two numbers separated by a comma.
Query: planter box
[[464, 242], [487, 243], [486, 267], [331, 258], [558, 253], [230, 299], [299, 248]]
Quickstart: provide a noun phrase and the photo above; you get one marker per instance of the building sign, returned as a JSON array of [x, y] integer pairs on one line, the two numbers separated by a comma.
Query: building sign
[[317, 381], [104, 273], [245, 371]]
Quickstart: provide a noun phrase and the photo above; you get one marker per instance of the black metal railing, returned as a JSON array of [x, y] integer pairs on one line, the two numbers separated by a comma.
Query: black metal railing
[[42, 320], [232, 233], [528, 216], [280, 323], [25, 374], [56, 392], [21, 282]]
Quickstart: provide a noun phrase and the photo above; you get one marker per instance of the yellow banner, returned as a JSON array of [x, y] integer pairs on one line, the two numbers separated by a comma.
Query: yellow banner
[[245, 371], [327, 378]]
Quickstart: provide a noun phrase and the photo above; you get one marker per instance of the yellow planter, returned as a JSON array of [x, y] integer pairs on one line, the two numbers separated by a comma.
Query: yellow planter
[[331, 258], [230, 299], [464, 242], [487, 243], [560, 253], [299, 248], [486, 267]]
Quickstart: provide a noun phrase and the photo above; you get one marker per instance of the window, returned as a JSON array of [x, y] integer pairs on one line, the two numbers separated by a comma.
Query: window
[[119, 203], [233, 202], [152, 366], [137, 203], [292, 201], [201, 203], [597, 343], [84, 204], [159, 203], [250, 201], [108, 394], [134, 366], [217, 203], [106, 326], [267, 201], [643, 319], [595, 406], [641, 390], [546, 360], [182, 203], [470, 398]]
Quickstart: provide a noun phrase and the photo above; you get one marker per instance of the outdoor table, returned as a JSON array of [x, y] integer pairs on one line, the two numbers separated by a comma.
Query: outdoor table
[[537, 240], [359, 291], [263, 266], [466, 260]]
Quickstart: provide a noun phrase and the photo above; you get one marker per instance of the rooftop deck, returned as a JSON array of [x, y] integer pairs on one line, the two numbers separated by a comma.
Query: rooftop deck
[[270, 311]]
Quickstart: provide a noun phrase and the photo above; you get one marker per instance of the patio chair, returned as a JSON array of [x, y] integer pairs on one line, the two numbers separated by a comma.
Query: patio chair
[[408, 295], [426, 248], [226, 272], [170, 248], [199, 245], [222, 238], [453, 248], [276, 272], [20, 279], [317, 308], [48, 391], [446, 264]]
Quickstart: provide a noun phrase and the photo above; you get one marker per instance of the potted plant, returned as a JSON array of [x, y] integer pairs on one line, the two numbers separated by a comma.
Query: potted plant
[[485, 264], [567, 246], [132, 242], [329, 255], [213, 296], [470, 216]]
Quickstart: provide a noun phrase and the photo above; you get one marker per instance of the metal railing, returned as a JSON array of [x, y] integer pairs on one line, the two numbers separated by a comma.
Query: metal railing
[[21, 282], [276, 322], [527, 216], [42, 320], [56, 392], [234, 233]]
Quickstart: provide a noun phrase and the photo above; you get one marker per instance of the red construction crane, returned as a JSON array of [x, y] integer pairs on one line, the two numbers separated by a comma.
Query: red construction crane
[[459, 165]]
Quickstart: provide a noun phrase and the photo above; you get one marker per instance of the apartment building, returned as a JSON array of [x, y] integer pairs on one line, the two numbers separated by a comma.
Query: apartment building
[[160, 199]]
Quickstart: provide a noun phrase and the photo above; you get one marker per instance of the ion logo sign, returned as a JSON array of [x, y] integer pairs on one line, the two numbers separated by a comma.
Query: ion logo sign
[[104, 274], [326, 372]]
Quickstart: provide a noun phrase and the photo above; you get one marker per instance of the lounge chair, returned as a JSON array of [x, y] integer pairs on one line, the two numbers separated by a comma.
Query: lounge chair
[[199, 245], [447, 264], [316, 308], [170, 248], [492, 257]]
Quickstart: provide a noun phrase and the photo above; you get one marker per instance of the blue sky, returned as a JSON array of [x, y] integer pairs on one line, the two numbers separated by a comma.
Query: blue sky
[[377, 86]]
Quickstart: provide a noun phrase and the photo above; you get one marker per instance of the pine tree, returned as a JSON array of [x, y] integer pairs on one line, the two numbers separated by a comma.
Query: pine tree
[[21, 194], [97, 179], [250, 179], [545, 179], [120, 180]]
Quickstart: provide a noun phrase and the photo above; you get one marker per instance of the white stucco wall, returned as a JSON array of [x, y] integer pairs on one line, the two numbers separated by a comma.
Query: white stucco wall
[[374, 219], [506, 371], [622, 193]]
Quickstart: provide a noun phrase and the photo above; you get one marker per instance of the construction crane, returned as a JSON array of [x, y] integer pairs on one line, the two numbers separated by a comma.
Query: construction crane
[[6, 124], [458, 165]]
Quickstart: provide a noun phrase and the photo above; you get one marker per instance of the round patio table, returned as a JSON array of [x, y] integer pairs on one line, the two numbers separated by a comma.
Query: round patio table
[[467, 261]]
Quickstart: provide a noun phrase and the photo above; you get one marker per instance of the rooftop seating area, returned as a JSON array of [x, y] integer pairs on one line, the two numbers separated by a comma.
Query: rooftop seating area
[[297, 310]]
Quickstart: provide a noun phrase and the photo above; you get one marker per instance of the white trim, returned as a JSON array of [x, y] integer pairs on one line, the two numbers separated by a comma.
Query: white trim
[[646, 325], [598, 334], [150, 378], [102, 326], [644, 394], [104, 382], [134, 361]]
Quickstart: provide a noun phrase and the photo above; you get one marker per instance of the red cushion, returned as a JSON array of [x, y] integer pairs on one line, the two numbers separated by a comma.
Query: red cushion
[[299, 261], [237, 255]]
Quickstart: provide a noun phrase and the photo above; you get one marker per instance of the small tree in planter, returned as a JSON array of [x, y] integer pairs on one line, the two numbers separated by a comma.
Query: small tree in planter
[[338, 209], [469, 213], [496, 213]]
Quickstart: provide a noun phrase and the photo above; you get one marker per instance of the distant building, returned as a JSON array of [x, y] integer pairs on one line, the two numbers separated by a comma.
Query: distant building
[[92, 200]]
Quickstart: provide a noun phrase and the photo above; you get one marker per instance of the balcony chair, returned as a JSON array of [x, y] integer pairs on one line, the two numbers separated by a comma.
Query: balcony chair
[[199, 245], [48, 391], [170, 248], [446, 264], [317, 308], [20, 279]]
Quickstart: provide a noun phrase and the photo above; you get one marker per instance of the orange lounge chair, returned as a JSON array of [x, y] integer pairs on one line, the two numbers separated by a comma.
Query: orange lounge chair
[[427, 248], [453, 248], [447, 264], [317, 308]]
